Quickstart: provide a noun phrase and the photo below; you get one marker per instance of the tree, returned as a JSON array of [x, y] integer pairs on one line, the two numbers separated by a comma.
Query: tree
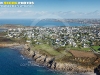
[[79, 45]]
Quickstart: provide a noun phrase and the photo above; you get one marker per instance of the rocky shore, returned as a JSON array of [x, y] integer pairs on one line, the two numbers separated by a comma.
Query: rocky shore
[[51, 63], [97, 70]]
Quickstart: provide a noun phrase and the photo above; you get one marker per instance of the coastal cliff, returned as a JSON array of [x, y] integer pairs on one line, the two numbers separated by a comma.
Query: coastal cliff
[[97, 70], [50, 62]]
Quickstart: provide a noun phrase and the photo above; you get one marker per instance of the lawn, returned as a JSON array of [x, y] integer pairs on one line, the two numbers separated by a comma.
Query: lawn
[[96, 47]]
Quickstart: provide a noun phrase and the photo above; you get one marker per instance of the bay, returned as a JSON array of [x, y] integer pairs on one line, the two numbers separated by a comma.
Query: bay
[[45, 23]]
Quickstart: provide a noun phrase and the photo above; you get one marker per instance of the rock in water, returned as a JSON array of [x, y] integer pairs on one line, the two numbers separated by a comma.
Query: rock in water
[[97, 70]]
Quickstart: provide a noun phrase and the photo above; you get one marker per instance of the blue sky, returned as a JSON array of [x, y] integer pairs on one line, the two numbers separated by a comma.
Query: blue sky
[[54, 9]]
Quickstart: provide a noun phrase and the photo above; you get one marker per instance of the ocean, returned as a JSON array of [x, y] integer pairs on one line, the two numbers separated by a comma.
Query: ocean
[[13, 63], [33, 22]]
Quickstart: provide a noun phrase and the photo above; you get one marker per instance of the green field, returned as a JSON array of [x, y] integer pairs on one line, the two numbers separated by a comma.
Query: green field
[[81, 49], [45, 48], [96, 47]]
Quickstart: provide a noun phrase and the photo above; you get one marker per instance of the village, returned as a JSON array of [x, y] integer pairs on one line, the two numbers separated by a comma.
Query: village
[[72, 37]]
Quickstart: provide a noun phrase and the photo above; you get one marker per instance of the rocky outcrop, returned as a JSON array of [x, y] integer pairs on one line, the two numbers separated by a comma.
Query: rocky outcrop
[[53, 64], [97, 70], [42, 59]]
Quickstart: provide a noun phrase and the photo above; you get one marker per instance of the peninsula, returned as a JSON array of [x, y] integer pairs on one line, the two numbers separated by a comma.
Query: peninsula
[[67, 49]]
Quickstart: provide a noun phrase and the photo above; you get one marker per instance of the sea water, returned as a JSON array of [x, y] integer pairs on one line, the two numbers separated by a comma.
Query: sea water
[[33, 22], [13, 63]]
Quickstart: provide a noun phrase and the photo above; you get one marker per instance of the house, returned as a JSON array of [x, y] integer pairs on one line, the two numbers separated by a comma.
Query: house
[[99, 34], [74, 44], [28, 41], [85, 45]]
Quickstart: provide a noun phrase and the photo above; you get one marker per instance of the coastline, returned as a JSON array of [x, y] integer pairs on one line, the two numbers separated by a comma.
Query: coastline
[[9, 45], [48, 61]]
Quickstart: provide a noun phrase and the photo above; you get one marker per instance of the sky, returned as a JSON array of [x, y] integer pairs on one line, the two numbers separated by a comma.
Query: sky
[[62, 9]]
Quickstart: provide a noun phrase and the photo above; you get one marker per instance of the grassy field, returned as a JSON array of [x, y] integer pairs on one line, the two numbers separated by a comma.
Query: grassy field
[[45, 48], [2, 34], [81, 49], [96, 47]]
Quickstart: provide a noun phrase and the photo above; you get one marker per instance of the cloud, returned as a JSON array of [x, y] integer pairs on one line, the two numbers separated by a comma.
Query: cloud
[[19, 11], [34, 14]]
